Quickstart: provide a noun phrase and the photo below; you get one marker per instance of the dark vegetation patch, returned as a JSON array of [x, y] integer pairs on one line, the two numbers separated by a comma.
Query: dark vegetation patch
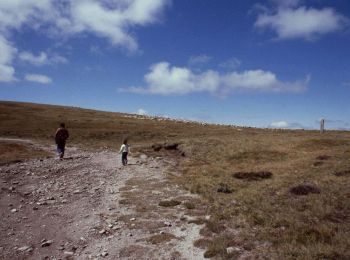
[[202, 243], [198, 221], [160, 238], [313, 234], [217, 248], [253, 176], [169, 203], [304, 189], [189, 205], [157, 147], [342, 173], [124, 202], [215, 226], [224, 188], [318, 163], [323, 157], [166, 146], [172, 146]]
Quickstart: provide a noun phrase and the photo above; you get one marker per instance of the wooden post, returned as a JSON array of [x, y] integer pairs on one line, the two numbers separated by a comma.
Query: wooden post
[[322, 125]]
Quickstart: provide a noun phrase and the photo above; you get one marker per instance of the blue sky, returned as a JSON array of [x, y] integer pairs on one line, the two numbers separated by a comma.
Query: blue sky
[[273, 63]]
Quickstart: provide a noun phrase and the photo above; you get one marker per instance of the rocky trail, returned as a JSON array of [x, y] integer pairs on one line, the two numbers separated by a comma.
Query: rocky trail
[[89, 206]]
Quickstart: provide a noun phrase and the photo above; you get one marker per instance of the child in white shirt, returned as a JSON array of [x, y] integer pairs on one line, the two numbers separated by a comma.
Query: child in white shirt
[[124, 150]]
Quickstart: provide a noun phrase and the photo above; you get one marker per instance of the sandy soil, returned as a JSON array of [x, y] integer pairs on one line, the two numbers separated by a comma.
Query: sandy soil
[[89, 206]]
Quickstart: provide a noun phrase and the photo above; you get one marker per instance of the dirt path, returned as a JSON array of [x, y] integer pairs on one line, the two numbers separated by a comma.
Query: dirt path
[[89, 206]]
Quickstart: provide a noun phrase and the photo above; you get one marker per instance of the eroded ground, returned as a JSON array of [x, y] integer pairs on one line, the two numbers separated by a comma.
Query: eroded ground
[[88, 206]]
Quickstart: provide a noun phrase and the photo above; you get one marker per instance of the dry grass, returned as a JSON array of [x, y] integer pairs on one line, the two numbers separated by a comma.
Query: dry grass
[[160, 238], [306, 227], [11, 152], [169, 203], [272, 222]]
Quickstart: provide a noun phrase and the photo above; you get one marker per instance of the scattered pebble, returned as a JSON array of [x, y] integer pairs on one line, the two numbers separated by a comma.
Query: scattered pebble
[[46, 243], [168, 224], [24, 248], [231, 250]]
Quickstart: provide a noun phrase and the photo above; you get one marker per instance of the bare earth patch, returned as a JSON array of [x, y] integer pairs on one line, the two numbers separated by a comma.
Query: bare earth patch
[[253, 176], [304, 189]]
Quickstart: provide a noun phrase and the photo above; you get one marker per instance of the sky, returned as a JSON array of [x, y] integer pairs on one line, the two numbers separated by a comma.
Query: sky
[[272, 63]]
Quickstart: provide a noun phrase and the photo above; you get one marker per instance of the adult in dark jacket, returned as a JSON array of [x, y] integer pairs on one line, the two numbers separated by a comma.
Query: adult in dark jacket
[[60, 138]]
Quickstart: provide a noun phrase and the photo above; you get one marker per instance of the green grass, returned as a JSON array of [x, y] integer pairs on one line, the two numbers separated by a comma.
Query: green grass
[[260, 216]]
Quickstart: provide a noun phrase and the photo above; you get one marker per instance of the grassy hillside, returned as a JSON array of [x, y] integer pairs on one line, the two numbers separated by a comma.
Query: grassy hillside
[[91, 128], [279, 194]]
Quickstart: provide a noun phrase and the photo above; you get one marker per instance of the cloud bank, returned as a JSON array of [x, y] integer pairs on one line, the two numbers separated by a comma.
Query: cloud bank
[[41, 59], [165, 79], [290, 21]]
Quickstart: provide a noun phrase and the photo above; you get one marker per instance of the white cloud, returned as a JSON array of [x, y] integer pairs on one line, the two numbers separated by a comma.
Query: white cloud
[[7, 73], [287, 125], [42, 79], [165, 79], [7, 53], [109, 19], [41, 59], [199, 59], [31, 58], [301, 22], [14, 13], [56, 59], [279, 124], [232, 64], [141, 112]]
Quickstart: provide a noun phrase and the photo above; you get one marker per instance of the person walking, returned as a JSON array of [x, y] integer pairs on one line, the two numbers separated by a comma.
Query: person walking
[[61, 136], [124, 150]]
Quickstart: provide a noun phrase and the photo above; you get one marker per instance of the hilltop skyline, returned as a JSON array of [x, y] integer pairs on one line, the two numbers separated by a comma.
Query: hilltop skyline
[[280, 64]]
